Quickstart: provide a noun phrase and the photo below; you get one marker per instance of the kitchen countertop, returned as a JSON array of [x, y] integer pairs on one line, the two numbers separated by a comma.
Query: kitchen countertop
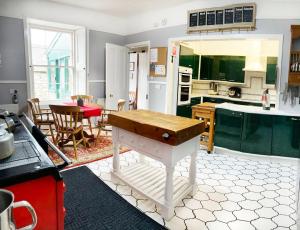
[[227, 98], [254, 109]]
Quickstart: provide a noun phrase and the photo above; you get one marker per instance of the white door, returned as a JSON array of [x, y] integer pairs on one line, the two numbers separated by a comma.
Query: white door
[[80, 52], [117, 85], [143, 87]]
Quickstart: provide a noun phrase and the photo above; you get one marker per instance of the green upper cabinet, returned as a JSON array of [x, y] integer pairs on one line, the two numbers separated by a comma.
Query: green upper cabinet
[[257, 134], [206, 68], [234, 66], [223, 68], [187, 58], [271, 74], [228, 129], [286, 136]]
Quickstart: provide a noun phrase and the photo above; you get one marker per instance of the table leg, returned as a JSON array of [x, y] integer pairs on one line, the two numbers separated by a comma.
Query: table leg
[[192, 173], [116, 149], [168, 210]]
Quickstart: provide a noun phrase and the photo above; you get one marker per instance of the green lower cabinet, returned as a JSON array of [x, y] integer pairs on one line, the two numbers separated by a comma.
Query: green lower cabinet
[[228, 129], [184, 111], [286, 136], [271, 74], [195, 100], [257, 134]]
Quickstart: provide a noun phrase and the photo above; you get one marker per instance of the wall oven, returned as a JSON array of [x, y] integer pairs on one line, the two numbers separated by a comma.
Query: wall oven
[[184, 85], [185, 75]]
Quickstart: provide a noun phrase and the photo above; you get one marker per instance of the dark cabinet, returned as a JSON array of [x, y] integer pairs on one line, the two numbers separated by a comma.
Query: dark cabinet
[[184, 111], [257, 134], [223, 68], [195, 100], [228, 129], [271, 74], [206, 68], [286, 136]]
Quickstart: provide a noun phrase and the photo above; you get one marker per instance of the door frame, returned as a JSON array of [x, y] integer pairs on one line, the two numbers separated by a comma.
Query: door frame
[[172, 80], [138, 45]]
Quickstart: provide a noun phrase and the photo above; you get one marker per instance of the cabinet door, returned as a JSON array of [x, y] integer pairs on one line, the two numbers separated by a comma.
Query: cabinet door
[[195, 100], [196, 67], [184, 111], [234, 70], [228, 129], [206, 68], [271, 74], [186, 61], [286, 136], [257, 134]]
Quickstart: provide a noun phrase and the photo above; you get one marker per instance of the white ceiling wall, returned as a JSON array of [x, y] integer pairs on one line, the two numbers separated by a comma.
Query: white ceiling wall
[[162, 13]]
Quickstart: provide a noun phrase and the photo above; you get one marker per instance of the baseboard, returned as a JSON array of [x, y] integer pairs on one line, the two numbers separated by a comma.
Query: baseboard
[[251, 156]]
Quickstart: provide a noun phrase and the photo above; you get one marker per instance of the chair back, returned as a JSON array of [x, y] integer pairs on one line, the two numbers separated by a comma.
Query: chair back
[[34, 105], [121, 104], [66, 118], [85, 98]]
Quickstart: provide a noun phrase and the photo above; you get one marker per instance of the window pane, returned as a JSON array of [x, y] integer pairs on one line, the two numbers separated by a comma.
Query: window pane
[[51, 83], [51, 47]]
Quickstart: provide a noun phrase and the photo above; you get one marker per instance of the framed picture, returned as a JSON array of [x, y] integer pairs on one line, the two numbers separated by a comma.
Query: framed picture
[[131, 66]]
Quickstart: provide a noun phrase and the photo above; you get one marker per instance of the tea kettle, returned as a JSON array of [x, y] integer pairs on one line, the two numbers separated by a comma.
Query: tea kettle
[[6, 206]]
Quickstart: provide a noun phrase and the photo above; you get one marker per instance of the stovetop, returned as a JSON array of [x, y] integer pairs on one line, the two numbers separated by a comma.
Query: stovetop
[[28, 161]]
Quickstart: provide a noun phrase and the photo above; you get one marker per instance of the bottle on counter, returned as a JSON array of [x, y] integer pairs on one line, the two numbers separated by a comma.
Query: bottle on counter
[[14, 98], [265, 100]]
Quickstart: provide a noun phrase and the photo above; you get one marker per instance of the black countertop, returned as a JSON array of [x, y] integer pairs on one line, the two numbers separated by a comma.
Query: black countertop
[[28, 162]]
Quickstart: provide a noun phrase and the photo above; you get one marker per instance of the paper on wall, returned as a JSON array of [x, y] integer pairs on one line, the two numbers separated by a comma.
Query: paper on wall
[[160, 70], [153, 55]]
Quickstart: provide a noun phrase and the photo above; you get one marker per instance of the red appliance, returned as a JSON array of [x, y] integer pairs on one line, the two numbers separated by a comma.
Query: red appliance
[[31, 175]]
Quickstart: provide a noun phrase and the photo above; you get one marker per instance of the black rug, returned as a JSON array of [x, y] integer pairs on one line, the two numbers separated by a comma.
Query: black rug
[[91, 204]]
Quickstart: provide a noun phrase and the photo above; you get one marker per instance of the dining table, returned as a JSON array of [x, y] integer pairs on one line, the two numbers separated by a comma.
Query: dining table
[[89, 110]]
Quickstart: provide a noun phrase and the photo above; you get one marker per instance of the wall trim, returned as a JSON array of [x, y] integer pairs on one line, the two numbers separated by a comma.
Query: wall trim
[[12, 82], [158, 82], [96, 81]]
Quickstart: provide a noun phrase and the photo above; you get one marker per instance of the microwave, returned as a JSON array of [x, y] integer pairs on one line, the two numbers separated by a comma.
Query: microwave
[[185, 75]]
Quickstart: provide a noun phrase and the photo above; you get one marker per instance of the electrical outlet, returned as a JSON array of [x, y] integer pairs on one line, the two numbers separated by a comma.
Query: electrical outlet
[[12, 91]]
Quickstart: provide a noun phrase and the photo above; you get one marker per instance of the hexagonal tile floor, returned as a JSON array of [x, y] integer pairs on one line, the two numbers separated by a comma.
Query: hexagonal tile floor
[[233, 193]]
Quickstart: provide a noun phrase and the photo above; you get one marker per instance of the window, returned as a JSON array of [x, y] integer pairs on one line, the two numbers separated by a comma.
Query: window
[[52, 63]]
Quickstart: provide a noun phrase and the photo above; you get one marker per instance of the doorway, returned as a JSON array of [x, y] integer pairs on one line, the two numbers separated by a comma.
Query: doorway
[[138, 78]]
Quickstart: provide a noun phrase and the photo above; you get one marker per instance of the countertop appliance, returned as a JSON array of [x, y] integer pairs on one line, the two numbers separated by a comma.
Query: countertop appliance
[[213, 88], [184, 85], [6, 143], [235, 92], [31, 175]]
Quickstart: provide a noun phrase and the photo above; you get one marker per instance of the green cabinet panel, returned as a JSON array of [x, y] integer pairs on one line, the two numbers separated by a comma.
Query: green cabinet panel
[[271, 74], [184, 110], [206, 68], [257, 134], [286, 136], [214, 100], [223, 68], [186, 60], [196, 67], [228, 129], [195, 100]]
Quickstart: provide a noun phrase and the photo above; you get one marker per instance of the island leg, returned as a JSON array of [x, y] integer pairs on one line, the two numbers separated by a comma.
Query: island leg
[[116, 149], [168, 209], [192, 173]]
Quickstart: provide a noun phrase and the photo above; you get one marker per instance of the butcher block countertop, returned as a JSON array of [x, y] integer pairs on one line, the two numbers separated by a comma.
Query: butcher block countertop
[[169, 129]]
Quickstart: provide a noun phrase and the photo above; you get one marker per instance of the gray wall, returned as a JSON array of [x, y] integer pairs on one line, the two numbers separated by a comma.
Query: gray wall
[[13, 67], [159, 37], [97, 41]]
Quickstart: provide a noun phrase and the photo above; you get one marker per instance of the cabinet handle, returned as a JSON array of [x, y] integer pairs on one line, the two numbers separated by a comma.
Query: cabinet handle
[[233, 113], [295, 119]]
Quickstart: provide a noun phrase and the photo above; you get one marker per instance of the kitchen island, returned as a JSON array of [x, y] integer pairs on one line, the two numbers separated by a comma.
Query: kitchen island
[[162, 137], [250, 129]]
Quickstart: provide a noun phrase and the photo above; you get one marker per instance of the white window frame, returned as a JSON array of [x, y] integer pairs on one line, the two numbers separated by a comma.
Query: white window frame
[[30, 77]]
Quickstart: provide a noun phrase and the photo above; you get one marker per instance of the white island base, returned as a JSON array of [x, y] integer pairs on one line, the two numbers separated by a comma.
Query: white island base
[[154, 183]]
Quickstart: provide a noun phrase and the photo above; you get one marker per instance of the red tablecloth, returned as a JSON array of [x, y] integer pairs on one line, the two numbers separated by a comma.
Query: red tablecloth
[[88, 110]]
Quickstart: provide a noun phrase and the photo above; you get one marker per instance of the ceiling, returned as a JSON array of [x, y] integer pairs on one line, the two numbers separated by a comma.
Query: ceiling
[[122, 8]]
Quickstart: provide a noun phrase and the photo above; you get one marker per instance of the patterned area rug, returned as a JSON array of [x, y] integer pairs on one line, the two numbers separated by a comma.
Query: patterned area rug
[[99, 149]]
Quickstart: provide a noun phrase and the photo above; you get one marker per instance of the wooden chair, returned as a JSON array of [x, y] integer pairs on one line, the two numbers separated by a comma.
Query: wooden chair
[[132, 100], [87, 99], [41, 117], [68, 123], [103, 122]]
